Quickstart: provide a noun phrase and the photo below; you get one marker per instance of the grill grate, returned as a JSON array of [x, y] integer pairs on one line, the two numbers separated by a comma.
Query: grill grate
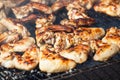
[[82, 69]]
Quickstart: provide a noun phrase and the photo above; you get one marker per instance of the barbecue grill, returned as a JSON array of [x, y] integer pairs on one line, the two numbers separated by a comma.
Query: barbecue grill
[[90, 70]]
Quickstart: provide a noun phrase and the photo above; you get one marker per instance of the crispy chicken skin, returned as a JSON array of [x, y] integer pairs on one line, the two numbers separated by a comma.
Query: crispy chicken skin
[[78, 53], [53, 63], [109, 7], [112, 36]]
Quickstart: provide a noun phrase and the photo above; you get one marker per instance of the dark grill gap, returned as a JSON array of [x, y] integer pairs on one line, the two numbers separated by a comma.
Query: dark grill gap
[[89, 70]]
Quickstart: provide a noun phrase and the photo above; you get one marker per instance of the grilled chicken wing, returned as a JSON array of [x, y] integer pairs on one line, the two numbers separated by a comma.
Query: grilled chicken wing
[[53, 63], [28, 61], [78, 53], [15, 26], [112, 36], [109, 7]]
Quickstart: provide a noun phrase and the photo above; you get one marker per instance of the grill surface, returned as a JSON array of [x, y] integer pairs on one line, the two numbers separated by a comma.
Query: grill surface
[[95, 69]]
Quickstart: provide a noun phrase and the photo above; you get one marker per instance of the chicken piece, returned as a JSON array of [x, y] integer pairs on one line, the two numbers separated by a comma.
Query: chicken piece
[[78, 53], [41, 7], [28, 61], [78, 22], [9, 36], [53, 63], [25, 10], [61, 40], [2, 11], [112, 36], [12, 3], [90, 33], [77, 15], [46, 2], [6, 59], [45, 21], [87, 4], [19, 46], [109, 7], [60, 4], [22, 11], [105, 52], [3, 28], [22, 30]]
